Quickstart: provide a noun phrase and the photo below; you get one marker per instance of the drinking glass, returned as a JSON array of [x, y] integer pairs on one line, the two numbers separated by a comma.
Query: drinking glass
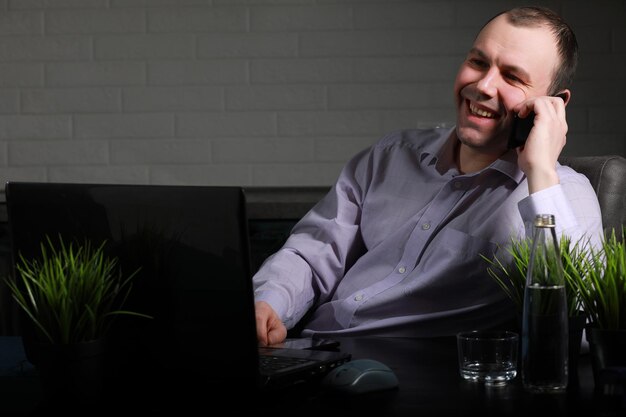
[[488, 356]]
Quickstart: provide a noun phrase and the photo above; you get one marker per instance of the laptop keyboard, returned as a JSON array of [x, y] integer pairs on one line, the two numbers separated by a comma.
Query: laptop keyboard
[[269, 363]]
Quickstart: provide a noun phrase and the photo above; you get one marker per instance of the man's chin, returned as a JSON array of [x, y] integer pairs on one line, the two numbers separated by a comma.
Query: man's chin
[[478, 140], [470, 137]]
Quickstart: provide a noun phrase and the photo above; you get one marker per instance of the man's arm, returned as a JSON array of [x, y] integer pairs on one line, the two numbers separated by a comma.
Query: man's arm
[[321, 247], [553, 188], [573, 202]]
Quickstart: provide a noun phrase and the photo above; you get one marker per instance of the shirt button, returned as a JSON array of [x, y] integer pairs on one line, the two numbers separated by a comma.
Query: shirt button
[[402, 270], [425, 226], [358, 297], [457, 184]]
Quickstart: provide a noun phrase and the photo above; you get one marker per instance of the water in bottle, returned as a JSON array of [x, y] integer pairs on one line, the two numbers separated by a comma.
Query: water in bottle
[[545, 322]]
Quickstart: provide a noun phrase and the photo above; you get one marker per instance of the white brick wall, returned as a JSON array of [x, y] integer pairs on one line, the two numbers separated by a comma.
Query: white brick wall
[[256, 92]]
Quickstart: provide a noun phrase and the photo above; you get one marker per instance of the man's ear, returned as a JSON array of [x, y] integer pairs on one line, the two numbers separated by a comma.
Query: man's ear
[[566, 95]]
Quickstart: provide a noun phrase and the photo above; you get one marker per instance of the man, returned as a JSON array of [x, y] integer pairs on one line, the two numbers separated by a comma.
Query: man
[[394, 248]]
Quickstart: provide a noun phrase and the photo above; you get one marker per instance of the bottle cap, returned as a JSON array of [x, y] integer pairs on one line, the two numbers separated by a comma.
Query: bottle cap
[[544, 220]]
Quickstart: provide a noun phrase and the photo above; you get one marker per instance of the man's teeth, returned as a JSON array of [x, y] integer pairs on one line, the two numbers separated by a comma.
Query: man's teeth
[[480, 112]]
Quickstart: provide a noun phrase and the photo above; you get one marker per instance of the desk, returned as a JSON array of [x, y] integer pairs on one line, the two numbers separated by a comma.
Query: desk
[[430, 385]]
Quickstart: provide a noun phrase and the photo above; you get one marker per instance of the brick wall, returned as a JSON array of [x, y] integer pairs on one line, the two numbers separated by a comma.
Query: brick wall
[[256, 92]]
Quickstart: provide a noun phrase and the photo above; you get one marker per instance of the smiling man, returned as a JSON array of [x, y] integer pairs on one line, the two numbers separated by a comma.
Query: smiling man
[[394, 248], [514, 65]]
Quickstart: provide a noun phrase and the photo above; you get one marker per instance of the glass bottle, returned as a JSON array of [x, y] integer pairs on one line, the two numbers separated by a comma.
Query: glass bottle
[[544, 317]]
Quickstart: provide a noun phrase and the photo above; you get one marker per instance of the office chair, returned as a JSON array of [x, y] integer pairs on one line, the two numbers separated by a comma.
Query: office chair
[[607, 175]]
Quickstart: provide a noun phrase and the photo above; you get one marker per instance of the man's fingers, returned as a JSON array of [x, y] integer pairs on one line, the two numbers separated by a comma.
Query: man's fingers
[[269, 328], [276, 333], [262, 318], [261, 332]]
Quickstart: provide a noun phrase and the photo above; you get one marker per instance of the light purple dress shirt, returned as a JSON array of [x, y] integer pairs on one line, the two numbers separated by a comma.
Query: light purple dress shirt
[[394, 248]]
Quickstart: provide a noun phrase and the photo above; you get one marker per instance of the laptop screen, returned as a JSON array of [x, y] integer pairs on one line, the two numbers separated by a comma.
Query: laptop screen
[[190, 245]]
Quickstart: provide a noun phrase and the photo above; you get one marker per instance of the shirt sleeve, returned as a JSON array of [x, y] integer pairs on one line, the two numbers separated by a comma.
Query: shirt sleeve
[[320, 248], [574, 204]]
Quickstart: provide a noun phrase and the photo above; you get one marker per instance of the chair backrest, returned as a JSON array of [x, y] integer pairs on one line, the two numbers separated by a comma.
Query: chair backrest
[[607, 175]]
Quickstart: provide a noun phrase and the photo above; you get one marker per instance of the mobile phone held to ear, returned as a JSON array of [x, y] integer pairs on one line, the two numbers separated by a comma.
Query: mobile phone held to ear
[[520, 129]]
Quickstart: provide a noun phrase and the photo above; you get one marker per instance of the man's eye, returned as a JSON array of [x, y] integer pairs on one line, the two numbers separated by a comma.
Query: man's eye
[[513, 78], [479, 63]]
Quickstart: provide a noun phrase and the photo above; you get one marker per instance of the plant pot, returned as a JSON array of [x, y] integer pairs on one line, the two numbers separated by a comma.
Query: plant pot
[[576, 327], [71, 375], [607, 349]]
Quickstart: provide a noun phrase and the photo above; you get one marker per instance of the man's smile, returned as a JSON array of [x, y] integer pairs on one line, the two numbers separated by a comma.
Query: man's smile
[[481, 112]]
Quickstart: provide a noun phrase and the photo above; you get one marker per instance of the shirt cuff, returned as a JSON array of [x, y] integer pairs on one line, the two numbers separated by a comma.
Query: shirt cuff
[[273, 300], [551, 200]]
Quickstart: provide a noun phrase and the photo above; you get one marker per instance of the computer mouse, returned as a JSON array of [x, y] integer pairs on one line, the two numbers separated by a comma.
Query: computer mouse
[[360, 376]]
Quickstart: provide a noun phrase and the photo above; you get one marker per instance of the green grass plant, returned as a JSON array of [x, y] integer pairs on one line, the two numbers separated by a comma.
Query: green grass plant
[[509, 270], [601, 283], [71, 293]]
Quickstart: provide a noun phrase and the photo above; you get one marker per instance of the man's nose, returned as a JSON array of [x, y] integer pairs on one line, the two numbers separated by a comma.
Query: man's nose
[[488, 83]]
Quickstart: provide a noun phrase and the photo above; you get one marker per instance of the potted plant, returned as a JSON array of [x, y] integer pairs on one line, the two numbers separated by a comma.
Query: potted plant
[[69, 298], [601, 285], [509, 270]]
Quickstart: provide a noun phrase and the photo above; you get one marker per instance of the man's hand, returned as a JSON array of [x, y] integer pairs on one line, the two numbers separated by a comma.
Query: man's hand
[[538, 157], [269, 328]]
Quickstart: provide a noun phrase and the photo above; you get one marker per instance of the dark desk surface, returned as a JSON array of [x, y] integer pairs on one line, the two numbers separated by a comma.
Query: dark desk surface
[[430, 385]]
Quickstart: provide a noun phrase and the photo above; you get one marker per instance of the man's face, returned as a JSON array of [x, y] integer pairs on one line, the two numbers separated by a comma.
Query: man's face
[[505, 66]]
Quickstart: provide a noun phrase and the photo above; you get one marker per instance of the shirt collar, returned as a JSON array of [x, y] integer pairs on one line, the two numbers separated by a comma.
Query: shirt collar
[[507, 164], [438, 148], [440, 152]]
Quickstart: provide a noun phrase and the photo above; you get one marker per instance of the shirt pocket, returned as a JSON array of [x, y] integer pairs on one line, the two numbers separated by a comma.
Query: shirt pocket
[[452, 253]]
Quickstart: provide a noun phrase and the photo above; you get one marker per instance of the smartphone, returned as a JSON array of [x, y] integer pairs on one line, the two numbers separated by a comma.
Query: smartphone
[[307, 343], [520, 129]]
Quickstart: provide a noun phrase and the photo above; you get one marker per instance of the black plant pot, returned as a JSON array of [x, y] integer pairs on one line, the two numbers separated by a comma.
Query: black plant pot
[[576, 327], [608, 351], [72, 376]]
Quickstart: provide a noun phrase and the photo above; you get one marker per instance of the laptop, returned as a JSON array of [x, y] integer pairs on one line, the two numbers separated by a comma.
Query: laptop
[[191, 247]]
